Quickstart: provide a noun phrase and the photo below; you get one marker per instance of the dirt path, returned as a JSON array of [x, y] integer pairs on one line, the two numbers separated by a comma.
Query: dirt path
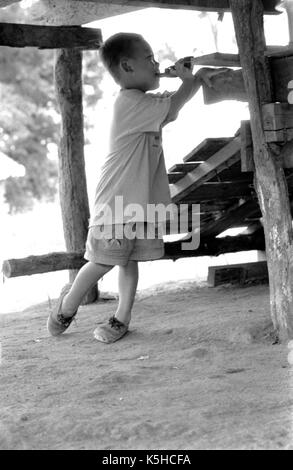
[[197, 371]]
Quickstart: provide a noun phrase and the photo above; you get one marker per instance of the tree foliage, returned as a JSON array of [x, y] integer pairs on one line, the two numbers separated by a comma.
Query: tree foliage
[[29, 118]]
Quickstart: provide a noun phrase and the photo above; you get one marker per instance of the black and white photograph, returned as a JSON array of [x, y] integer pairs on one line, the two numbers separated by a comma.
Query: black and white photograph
[[161, 133]]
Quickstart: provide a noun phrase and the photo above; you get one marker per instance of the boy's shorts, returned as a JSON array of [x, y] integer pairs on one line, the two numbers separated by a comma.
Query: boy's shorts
[[116, 248]]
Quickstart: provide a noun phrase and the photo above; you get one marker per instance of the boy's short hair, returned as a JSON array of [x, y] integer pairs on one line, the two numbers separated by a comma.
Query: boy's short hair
[[115, 48]]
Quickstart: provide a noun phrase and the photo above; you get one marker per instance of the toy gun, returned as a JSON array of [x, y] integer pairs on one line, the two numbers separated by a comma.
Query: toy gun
[[170, 72]]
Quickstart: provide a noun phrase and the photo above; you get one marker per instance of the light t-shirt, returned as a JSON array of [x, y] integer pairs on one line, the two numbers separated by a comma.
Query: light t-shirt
[[134, 174]]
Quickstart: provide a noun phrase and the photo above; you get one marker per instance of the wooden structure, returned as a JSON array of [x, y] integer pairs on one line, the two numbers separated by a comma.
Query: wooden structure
[[243, 180], [240, 273]]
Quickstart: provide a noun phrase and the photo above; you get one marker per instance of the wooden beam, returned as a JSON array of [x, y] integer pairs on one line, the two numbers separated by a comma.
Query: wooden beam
[[219, 192], [218, 59], [49, 37], [179, 170], [270, 179], [52, 262], [184, 167], [247, 163], [201, 5], [217, 246], [229, 153], [72, 177], [69, 12], [228, 85], [231, 218], [42, 264]]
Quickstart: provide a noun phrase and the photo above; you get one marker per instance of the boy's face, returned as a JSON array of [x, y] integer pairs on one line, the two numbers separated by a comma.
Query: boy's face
[[144, 68]]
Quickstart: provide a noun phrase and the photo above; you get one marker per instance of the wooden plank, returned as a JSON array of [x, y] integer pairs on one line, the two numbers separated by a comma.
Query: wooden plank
[[184, 167], [237, 273], [49, 37], [174, 177], [233, 174], [218, 192], [232, 218], [218, 59], [282, 135], [69, 12], [247, 163], [207, 148], [190, 181], [279, 51], [277, 116], [228, 85], [201, 5]]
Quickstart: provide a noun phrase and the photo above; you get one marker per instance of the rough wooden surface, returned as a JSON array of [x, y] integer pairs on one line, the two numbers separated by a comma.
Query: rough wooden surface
[[49, 37], [218, 191], [231, 218], [229, 85], [42, 264], [206, 149], [204, 171], [237, 273], [72, 177], [247, 163], [270, 179]]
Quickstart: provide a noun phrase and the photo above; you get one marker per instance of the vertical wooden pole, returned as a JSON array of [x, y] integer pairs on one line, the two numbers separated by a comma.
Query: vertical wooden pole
[[270, 180], [72, 177]]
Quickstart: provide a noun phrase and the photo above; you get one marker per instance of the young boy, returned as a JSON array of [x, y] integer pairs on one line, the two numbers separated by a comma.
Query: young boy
[[134, 175]]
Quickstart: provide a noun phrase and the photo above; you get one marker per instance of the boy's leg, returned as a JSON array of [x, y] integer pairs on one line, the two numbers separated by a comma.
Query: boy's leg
[[118, 324], [86, 278], [71, 296], [127, 285]]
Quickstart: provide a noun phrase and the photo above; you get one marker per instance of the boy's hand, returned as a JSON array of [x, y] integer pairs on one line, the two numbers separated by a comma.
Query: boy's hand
[[182, 71], [206, 73]]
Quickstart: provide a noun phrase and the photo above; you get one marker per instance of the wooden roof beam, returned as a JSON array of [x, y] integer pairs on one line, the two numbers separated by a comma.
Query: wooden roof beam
[[49, 37], [201, 5]]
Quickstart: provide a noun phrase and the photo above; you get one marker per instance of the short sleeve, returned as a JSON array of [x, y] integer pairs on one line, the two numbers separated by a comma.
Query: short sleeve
[[147, 113]]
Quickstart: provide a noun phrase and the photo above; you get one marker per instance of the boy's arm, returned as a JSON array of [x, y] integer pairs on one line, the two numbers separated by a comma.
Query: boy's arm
[[189, 87]]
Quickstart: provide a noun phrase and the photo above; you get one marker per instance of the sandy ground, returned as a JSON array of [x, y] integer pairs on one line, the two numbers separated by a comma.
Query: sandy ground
[[198, 370]]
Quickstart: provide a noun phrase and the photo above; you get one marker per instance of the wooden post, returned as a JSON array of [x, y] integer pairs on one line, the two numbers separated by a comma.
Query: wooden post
[[270, 180], [72, 178]]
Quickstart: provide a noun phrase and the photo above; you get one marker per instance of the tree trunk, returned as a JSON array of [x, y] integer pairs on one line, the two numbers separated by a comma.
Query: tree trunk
[[72, 178], [270, 180]]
